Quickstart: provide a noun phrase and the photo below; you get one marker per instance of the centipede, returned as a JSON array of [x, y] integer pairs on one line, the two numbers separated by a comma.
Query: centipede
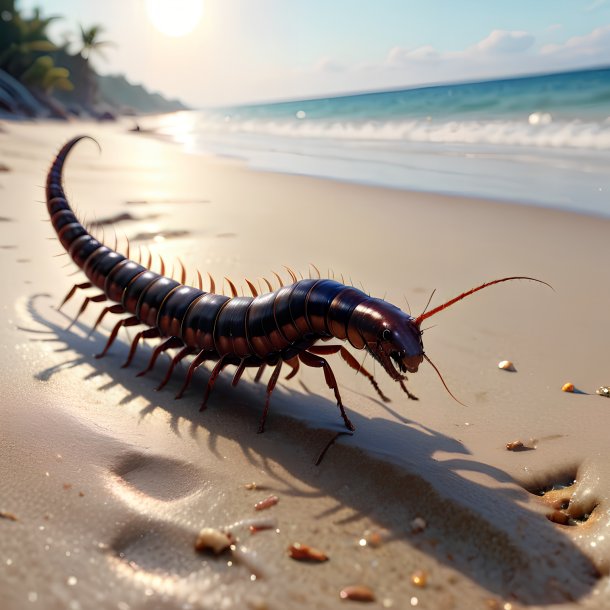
[[299, 324]]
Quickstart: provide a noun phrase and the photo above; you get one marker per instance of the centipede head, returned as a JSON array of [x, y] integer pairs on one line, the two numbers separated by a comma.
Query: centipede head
[[389, 334]]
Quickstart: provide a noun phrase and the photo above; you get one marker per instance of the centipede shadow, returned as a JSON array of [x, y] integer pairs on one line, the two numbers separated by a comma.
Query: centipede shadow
[[512, 567]]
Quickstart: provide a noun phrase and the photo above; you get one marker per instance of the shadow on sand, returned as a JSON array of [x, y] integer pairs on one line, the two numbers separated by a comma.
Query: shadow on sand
[[487, 534]]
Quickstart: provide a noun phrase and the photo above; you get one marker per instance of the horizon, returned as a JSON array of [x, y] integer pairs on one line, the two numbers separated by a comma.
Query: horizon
[[244, 53], [431, 85]]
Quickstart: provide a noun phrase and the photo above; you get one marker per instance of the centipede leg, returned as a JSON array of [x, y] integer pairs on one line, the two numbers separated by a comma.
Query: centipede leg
[[162, 347], [96, 299], [312, 360], [238, 373], [270, 388], [109, 309], [294, 363], [74, 288], [259, 373], [324, 350], [149, 333], [404, 388], [181, 355], [212, 380], [199, 359], [133, 321]]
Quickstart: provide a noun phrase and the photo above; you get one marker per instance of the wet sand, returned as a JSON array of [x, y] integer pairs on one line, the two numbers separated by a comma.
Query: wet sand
[[105, 482]]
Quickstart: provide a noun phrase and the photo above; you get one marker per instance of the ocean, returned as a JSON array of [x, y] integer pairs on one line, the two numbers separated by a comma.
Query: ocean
[[542, 140]]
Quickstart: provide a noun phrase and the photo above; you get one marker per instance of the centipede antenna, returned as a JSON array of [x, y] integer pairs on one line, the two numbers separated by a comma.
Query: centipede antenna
[[434, 311], [212, 283], [199, 280], [443, 381], [231, 286], [292, 274], [252, 288], [279, 279]]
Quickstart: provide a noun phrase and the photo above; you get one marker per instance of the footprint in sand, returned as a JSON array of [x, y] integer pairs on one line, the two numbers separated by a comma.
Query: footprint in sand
[[574, 503], [155, 477]]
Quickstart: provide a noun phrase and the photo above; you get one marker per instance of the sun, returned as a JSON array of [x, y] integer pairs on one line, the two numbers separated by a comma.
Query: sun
[[174, 17]]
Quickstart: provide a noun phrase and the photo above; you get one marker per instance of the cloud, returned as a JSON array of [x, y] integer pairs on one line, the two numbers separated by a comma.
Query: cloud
[[502, 53], [502, 41], [595, 5], [596, 44]]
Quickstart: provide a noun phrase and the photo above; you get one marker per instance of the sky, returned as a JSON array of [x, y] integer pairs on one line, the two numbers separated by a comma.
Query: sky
[[257, 50]]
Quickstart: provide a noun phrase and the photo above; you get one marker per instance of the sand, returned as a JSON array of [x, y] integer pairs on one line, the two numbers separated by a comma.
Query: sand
[[105, 483]]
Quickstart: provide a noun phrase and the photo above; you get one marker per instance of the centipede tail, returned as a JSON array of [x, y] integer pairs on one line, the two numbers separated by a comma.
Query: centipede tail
[[266, 329]]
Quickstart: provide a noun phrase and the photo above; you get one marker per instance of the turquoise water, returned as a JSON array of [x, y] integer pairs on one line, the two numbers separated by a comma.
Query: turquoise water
[[543, 140]]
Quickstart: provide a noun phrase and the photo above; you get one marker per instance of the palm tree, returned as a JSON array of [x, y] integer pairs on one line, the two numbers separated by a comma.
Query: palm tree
[[90, 41], [22, 40]]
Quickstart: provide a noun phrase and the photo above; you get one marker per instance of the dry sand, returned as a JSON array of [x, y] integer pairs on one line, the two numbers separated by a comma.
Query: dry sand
[[104, 483]]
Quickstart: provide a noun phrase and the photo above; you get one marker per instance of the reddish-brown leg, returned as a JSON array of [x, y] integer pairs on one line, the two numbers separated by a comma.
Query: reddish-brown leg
[[183, 353], [270, 388], [74, 288], [162, 347], [133, 321], [149, 333], [239, 372], [212, 380], [324, 350], [109, 309], [259, 373], [294, 364], [404, 387], [96, 299], [318, 362], [199, 359]]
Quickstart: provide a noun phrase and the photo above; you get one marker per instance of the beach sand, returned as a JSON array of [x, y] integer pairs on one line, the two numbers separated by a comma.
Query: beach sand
[[105, 483]]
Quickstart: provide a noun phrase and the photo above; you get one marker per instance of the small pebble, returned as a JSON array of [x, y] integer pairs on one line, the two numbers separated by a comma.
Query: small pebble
[[506, 365], [515, 446], [567, 387], [210, 539], [603, 391], [418, 525], [302, 552], [357, 593], [419, 578], [266, 503]]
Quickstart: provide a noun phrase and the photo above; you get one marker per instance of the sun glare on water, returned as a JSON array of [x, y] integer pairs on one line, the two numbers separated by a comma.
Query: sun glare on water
[[174, 17]]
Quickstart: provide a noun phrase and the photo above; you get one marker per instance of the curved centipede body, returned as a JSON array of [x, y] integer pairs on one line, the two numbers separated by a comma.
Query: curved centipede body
[[290, 325]]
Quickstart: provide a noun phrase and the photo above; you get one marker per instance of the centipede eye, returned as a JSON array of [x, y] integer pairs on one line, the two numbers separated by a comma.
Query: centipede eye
[[386, 335]]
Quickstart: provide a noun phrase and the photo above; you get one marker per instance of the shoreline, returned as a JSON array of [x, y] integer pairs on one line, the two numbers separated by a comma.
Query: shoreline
[[572, 179], [154, 470]]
